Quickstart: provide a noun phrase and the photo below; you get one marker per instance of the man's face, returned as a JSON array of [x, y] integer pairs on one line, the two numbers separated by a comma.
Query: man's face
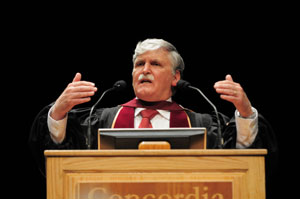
[[155, 63]]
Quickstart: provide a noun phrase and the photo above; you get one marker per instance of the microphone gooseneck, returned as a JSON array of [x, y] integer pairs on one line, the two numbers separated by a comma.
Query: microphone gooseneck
[[182, 85], [118, 86]]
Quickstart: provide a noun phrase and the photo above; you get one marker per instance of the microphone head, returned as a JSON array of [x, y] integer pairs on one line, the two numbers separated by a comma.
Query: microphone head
[[182, 84], [119, 85]]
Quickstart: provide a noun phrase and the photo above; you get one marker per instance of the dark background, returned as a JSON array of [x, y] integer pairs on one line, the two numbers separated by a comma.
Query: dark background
[[46, 52]]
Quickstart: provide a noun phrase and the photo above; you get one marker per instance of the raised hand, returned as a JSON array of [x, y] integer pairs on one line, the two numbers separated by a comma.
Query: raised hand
[[234, 93], [77, 92]]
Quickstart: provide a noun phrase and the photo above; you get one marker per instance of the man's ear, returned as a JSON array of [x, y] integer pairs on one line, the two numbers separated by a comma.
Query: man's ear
[[176, 78]]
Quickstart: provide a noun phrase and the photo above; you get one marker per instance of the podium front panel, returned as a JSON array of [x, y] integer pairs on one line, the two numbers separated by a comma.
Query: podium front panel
[[156, 174]]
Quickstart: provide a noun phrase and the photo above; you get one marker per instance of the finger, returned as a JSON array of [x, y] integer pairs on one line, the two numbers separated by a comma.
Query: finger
[[80, 95], [230, 92], [229, 78], [82, 89], [81, 83], [77, 77], [226, 85], [229, 98]]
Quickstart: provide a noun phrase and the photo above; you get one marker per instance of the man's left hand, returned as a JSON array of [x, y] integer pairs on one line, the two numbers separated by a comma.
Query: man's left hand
[[234, 93]]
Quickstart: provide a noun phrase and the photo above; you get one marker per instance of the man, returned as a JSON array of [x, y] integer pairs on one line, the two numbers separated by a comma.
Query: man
[[157, 67]]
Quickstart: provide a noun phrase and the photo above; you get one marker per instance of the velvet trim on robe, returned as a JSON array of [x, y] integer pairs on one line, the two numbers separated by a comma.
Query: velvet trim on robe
[[125, 116]]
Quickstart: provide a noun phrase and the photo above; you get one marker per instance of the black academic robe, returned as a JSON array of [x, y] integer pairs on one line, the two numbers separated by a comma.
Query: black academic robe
[[40, 139]]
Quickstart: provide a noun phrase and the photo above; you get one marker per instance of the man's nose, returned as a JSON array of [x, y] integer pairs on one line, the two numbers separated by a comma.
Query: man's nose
[[147, 68]]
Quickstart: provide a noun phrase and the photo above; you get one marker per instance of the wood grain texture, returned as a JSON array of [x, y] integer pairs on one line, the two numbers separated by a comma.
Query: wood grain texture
[[67, 170]]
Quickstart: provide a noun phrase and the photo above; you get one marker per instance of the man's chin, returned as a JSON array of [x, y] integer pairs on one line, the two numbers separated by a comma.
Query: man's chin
[[150, 97], [146, 95], [146, 98]]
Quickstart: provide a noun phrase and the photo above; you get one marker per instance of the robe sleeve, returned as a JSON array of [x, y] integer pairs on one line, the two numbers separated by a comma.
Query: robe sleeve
[[265, 138], [40, 139]]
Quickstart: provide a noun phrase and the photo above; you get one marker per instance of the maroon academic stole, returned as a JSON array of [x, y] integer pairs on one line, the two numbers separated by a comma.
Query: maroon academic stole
[[125, 116]]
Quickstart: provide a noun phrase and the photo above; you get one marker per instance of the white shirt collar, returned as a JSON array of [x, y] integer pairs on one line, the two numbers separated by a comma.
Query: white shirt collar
[[163, 113]]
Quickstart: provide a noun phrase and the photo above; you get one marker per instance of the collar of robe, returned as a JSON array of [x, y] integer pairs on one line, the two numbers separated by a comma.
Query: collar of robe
[[160, 105], [125, 116]]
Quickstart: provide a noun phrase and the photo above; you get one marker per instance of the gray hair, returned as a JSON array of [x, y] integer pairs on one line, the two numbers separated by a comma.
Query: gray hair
[[154, 44]]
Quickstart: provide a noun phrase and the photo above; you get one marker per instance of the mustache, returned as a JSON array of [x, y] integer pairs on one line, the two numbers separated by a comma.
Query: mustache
[[147, 77]]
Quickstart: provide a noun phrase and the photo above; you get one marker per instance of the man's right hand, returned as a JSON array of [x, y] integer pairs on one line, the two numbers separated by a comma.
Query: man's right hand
[[77, 92]]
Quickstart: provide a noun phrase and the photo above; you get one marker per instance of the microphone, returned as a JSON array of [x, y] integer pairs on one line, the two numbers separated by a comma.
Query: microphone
[[182, 85], [118, 86]]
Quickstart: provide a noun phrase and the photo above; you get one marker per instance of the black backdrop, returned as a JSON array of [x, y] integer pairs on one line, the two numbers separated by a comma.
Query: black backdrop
[[49, 53]]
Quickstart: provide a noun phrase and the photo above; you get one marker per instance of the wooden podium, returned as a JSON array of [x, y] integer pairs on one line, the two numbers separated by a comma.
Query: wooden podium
[[155, 174]]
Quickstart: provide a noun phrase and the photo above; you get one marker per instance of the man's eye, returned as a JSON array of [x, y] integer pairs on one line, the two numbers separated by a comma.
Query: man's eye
[[155, 63], [139, 64]]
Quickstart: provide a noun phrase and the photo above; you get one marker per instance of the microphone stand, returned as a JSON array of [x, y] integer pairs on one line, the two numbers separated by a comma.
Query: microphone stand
[[119, 85], [220, 140], [182, 84], [89, 133]]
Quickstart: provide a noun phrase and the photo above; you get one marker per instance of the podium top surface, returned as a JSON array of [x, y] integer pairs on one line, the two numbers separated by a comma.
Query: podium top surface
[[185, 152]]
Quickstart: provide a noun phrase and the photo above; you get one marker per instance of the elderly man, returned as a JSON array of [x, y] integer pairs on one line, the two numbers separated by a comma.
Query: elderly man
[[157, 67]]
